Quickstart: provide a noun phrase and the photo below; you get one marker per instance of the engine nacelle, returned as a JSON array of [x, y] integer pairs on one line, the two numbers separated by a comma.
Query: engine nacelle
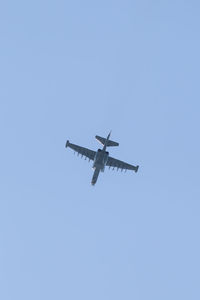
[[100, 159], [105, 159]]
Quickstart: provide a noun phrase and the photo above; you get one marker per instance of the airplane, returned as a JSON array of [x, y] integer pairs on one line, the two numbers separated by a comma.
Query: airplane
[[101, 157]]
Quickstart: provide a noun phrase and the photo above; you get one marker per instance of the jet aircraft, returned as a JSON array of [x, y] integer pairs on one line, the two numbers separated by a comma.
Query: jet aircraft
[[101, 157]]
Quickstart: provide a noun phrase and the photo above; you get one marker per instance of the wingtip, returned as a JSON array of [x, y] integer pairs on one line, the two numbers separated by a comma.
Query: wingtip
[[67, 143], [136, 169]]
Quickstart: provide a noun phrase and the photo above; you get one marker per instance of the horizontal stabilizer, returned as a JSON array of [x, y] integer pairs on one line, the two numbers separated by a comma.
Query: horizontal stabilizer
[[103, 140]]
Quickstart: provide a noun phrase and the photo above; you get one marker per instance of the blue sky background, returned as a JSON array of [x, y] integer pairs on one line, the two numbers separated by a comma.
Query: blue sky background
[[74, 69]]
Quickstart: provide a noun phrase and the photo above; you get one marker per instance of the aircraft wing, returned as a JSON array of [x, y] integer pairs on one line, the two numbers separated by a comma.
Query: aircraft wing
[[81, 150], [116, 163]]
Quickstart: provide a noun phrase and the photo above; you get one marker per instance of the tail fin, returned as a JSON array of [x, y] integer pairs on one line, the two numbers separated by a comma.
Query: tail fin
[[103, 140]]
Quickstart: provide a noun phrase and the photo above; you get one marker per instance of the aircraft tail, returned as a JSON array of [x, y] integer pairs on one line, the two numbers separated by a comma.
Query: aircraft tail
[[109, 142]]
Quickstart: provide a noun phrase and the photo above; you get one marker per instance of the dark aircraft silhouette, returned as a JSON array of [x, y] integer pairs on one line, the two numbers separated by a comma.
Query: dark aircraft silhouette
[[101, 157]]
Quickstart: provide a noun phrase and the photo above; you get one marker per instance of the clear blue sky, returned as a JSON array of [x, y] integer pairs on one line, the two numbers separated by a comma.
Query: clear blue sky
[[74, 69]]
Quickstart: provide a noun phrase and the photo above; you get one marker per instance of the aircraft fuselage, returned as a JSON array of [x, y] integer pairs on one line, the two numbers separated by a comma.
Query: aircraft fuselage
[[100, 161]]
